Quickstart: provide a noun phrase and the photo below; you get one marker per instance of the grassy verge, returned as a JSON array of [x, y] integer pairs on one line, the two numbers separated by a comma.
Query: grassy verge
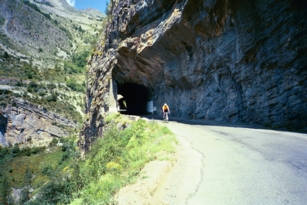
[[117, 159], [61, 176]]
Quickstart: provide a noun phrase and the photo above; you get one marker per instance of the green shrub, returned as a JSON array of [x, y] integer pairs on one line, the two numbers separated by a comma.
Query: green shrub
[[15, 150], [32, 86], [41, 93], [57, 191], [51, 98], [72, 68], [19, 83], [25, 151], [65, 156], [51, 86], [47, 170], [36, 150], [54, 142], [33, 6], [4, 151], [71, 83]]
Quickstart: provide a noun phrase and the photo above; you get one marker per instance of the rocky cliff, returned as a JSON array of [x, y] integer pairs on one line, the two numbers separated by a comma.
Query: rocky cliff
[[28, 124], [224, 60]]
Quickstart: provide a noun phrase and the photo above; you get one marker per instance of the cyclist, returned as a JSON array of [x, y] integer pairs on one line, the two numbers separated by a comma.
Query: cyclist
[[166, 111]]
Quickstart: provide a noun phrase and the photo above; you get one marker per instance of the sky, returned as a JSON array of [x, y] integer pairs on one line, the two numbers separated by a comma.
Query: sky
[[83, 4]]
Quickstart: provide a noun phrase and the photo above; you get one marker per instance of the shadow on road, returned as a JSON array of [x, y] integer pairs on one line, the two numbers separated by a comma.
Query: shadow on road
[[204, 122], [214, 123]]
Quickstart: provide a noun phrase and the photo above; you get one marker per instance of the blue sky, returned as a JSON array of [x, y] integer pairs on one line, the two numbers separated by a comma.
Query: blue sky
[[83, 4]]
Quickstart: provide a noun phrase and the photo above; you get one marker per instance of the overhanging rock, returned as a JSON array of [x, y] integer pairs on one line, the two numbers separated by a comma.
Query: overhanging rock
[[222, 60]]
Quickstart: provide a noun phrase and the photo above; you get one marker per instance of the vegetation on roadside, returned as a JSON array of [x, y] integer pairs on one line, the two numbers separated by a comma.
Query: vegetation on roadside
[[62, 176], [29, 168], [116, 159]]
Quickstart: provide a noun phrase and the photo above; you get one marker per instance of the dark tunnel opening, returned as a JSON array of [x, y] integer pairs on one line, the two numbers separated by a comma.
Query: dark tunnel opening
[[135, 99]]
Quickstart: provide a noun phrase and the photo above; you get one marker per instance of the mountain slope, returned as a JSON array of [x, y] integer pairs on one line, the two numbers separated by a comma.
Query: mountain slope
[[46, 30], [43, 49]]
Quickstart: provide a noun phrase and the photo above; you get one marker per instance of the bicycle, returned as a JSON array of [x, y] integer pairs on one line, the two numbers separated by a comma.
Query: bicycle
[[165, 116]]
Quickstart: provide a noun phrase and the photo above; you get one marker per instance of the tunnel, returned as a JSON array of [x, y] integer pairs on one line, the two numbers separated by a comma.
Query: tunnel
[[135, 99]]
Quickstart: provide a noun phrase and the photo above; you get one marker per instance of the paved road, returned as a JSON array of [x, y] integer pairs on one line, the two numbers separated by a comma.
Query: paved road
[[237, 165]]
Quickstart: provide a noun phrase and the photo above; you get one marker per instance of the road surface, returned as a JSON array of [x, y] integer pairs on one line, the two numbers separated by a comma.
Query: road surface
[[236, 165]]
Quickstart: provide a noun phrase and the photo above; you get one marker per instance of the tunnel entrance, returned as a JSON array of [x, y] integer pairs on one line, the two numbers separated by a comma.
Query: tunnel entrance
[[135, 99]]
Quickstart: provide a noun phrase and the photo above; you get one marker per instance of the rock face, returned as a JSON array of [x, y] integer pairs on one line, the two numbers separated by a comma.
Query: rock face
[[26, 123], [225, 60]]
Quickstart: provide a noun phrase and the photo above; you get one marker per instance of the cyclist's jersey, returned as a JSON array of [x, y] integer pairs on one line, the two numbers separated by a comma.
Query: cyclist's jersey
[[165, 108]]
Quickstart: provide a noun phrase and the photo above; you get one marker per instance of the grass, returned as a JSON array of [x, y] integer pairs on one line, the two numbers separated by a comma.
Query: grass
[[12, 67], [35, 163], [115, 160], [35, 167]]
